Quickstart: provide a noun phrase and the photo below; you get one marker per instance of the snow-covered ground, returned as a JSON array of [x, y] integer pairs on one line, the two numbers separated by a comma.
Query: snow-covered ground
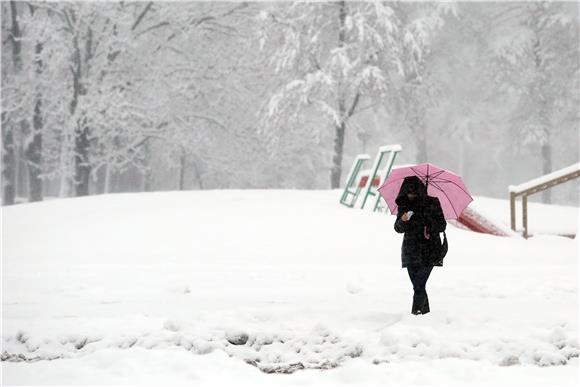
[[154, 288]]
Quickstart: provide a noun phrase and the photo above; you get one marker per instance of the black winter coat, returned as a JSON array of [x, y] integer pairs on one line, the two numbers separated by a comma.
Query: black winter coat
[[427, 219]]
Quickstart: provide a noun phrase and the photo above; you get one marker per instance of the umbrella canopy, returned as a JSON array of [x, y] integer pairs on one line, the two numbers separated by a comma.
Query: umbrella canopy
[[445, 185]]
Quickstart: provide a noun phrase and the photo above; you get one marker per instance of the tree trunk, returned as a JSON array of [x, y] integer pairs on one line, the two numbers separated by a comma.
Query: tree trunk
[[547, 167], [341, 126], [63, 190], [147, 180], [34, 148], [64, 167], [546, 148], [182, 170], [82, 165], [34, 157], [115, 182], [8, 153], [8, 163], [337, 158], [198, 175], [21, 168], [107, 187], [147, 173], [82, 168]]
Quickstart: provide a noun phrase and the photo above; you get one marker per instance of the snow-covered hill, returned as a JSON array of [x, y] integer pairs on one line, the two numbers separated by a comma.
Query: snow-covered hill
[[154, 288]]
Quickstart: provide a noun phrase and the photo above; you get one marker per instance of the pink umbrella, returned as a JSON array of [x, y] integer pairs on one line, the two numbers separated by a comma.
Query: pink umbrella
[[445, 185]]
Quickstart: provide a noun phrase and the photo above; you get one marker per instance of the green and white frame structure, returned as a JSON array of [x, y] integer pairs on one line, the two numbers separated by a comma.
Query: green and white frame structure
[[352, 188], [381, 168]]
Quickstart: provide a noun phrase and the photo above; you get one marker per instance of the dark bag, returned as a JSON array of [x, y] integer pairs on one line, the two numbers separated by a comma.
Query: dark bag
[[442, 251]]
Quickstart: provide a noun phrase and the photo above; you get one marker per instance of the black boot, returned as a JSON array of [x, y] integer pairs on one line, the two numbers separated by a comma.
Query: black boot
[[418, 303], [425, 309]]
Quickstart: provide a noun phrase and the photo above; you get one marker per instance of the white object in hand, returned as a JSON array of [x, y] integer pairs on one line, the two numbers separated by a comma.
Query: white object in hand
[[409, 214]]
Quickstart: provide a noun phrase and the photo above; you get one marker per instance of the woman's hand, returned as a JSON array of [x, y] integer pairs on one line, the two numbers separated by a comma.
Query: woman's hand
[[402, 220]]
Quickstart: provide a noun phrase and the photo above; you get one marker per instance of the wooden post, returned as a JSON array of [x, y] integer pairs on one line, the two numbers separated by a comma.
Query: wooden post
[[524, 190], [525, 214], [513, 210]]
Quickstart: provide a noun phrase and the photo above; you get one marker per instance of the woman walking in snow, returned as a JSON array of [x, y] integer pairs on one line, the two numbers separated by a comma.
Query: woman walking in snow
[[421, 219]]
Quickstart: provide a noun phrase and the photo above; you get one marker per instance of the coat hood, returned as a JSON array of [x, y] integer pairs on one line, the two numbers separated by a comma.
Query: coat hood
[[411, 184]]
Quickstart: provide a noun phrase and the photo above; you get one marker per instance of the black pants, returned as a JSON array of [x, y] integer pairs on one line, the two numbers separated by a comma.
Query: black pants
[[419, 276]]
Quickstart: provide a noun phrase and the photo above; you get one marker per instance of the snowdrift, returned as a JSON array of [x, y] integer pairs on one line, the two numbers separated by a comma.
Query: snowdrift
[[238, 286]]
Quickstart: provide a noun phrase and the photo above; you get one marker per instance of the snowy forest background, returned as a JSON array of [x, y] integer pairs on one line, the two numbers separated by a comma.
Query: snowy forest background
[[104, 97]]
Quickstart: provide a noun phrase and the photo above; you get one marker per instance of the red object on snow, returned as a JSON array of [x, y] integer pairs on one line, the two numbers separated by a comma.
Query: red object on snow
[[478, 223]]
